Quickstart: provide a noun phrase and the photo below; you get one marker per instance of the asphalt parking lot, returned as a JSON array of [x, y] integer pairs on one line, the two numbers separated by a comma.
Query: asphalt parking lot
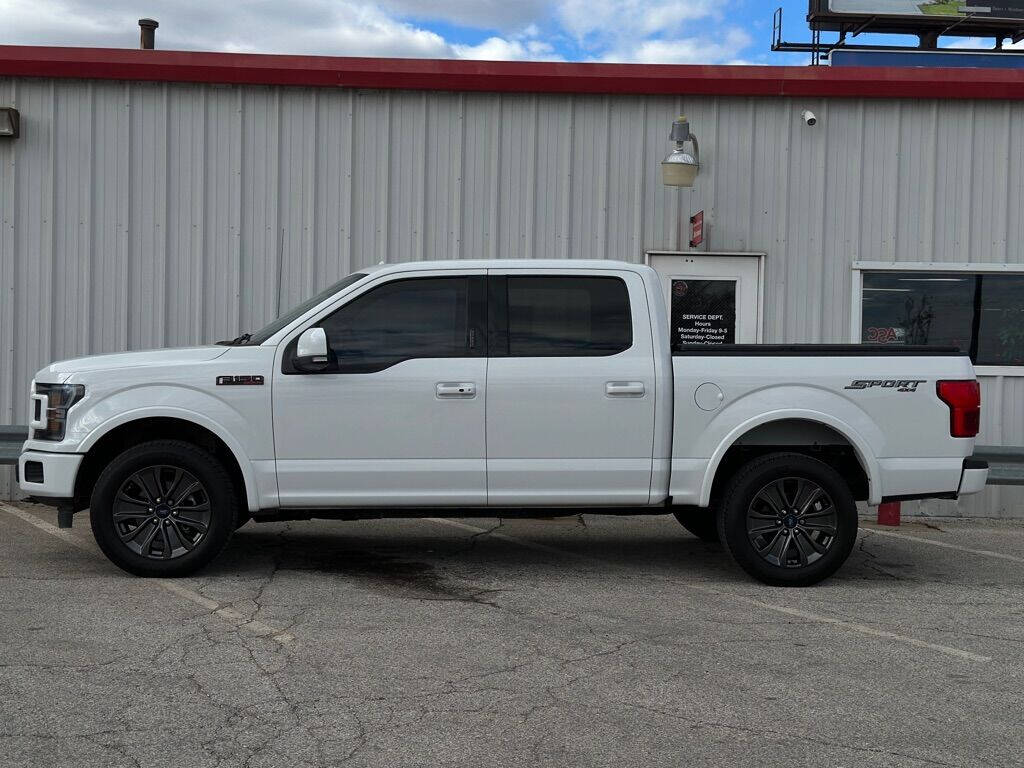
[[594, 641]]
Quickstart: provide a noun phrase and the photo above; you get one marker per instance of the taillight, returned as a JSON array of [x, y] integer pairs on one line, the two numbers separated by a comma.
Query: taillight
[[964, 401]]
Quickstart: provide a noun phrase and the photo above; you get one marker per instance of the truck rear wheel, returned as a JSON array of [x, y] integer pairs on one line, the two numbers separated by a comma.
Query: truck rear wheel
[[788, 520], [163, 508], [701, 522]]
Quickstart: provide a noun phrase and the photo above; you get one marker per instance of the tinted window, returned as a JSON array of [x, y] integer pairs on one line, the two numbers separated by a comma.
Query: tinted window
[[568, 316], [296, 312], [401, 320], [1001, 320], [982, 314], [918, 308]]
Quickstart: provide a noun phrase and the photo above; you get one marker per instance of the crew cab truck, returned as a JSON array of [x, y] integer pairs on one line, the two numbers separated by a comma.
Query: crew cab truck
[[498, 389]]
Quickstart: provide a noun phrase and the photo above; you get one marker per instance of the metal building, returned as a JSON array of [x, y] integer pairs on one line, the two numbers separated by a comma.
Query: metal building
[[160, 198]]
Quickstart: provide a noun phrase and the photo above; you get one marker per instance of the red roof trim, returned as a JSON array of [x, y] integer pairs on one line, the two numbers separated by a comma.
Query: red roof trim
[[525, 77]]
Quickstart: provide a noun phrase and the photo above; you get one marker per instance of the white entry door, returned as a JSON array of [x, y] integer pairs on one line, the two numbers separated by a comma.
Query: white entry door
[[712, 298]]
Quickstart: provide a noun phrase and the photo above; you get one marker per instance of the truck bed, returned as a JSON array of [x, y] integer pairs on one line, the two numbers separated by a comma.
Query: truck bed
[[880, 402]]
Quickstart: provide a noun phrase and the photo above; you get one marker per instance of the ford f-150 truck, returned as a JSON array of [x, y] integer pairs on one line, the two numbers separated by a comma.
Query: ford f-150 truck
[[498, 389]]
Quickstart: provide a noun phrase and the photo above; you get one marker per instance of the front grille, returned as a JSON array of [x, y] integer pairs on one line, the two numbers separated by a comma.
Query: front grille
[[33, 472]]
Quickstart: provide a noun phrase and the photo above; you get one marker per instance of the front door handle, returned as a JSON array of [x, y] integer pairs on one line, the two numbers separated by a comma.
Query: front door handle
[[449, 390], [624, 389]]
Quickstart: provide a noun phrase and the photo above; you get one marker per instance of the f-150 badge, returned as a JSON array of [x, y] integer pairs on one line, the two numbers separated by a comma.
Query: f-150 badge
[[900, 385], [240, 381]]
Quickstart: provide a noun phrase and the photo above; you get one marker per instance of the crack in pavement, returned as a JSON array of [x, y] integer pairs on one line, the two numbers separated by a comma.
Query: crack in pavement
[[771, 731], [271, 724], [783, 609]]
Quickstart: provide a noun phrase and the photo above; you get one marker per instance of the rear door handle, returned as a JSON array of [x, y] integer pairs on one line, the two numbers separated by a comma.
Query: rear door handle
[[450, 390], [624, 389]]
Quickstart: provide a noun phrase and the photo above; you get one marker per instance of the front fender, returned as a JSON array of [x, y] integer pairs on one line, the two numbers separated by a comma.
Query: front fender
[[772, 404], [205, 411]]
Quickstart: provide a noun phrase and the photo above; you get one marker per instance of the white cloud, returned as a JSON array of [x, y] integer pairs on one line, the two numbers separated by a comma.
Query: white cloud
[[338, 27], [603, 19], [691, 50], [508, 15], [651, 31], [983, 43], [612, 30], [501, 49]]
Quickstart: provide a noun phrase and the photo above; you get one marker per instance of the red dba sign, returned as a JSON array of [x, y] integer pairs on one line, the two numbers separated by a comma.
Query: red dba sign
[[697, 229]]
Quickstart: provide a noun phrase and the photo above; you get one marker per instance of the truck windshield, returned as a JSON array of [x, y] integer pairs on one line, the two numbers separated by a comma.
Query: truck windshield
[[269, 330]]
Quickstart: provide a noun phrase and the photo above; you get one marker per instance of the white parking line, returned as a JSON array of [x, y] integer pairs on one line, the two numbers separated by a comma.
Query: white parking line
[[228, 614], [806, 615], [945, 545], [50, 528]]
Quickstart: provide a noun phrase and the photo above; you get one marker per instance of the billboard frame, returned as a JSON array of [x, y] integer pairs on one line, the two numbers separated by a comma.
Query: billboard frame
[[821, 18]]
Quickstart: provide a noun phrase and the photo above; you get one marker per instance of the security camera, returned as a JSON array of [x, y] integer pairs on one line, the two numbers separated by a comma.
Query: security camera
[[809, 118]]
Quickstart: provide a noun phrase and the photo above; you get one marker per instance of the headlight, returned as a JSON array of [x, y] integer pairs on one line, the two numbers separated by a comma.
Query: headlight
[[59, 398]]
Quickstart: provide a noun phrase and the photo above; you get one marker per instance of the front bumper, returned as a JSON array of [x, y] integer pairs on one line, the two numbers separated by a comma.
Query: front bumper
[[974, 476], [58, 474]]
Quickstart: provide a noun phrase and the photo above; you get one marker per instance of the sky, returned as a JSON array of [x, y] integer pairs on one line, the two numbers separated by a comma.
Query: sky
[[648, 31]]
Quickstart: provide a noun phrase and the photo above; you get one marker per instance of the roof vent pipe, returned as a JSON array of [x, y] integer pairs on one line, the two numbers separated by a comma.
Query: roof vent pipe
[[147, 33]]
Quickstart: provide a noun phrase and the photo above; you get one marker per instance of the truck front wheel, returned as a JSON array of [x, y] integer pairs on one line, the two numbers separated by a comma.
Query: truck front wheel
[[788, 520], [163, 508]]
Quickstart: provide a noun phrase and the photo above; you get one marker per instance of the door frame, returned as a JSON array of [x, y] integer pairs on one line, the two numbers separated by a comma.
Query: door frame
[[759, 255]]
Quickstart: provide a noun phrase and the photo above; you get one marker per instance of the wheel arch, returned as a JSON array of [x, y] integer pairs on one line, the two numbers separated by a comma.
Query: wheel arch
[[114, 437], [804, 432]]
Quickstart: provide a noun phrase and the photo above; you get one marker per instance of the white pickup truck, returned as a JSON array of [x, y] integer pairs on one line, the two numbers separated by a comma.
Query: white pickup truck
[[498, 389]]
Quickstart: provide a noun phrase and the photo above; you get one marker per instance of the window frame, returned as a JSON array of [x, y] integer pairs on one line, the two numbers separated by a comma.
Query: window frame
[[857, 295], [499, 322], [476, 311]]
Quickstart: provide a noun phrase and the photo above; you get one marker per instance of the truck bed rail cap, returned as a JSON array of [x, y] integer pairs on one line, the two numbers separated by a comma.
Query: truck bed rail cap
[[816, 350]]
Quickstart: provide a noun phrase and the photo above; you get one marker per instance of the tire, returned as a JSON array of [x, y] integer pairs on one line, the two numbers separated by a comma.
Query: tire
[[788, 520], [702, 523], [163, 508]]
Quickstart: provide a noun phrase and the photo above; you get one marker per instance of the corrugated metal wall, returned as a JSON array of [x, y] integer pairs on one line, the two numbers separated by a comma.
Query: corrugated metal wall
[[141, 215]]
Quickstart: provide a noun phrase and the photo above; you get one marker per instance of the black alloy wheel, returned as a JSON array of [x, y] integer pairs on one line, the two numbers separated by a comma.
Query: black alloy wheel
[[792, 522], [161, 512], [788, 519], [163, 508]]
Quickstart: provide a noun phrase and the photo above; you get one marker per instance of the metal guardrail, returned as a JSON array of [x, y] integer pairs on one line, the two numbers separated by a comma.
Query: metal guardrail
[[1005, 464], [11, 438]]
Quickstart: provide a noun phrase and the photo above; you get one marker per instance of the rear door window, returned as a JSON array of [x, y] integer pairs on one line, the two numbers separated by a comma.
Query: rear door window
[[568, 316]]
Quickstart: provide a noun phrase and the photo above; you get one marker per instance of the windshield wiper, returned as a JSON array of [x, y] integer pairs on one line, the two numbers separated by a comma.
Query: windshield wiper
[[244, 338]]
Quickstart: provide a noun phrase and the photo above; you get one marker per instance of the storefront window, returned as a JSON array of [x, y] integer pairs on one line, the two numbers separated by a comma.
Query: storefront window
[[982, 314]]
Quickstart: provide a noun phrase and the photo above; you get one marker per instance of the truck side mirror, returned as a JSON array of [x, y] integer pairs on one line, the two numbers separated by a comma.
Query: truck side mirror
[[311, 353]]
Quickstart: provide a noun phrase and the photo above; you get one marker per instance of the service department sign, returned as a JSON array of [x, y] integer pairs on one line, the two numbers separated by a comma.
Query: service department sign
[[982, 9], [703, 312]]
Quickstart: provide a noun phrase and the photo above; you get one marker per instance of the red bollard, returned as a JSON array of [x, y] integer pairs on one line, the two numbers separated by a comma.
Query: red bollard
[[889, 513]]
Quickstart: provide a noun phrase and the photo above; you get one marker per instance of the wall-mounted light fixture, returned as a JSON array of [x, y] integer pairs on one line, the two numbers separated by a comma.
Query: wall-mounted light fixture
[[680, 169], [10, 123]]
